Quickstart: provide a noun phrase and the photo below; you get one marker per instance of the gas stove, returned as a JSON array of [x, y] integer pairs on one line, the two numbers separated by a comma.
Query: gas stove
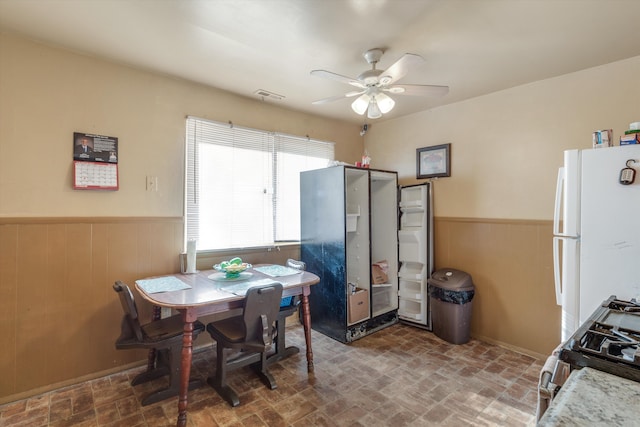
[[608, 341]]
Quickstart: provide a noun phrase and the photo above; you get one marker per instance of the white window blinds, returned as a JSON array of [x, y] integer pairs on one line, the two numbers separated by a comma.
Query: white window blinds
[[243, 184]]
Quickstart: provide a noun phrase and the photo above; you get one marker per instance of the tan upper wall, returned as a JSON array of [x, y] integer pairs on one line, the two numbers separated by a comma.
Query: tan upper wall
[[48, 93], [507, 146]]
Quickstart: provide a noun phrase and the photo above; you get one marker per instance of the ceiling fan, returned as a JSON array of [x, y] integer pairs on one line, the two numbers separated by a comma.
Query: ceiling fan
[[373, 85]]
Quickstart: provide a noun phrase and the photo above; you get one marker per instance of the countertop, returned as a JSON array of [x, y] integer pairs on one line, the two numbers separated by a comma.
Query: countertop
[[594, 398]]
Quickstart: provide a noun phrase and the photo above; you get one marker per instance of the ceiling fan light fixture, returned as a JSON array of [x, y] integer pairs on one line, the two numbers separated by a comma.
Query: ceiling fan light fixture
[[385, 103], [360, 104], [374, 86], [374, 111]]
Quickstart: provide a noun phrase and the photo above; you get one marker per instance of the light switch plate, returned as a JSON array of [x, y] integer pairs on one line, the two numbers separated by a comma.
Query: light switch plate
[[152, 183]]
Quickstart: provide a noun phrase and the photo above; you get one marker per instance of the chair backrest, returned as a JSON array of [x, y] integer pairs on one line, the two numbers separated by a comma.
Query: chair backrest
[[129, 308], [298, 265], [261, 307]]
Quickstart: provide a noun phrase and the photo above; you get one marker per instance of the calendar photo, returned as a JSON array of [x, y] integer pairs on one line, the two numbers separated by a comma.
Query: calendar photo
[[95, 148]]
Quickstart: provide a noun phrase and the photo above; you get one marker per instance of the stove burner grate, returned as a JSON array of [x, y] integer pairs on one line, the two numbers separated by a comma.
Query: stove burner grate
[[611, 343]]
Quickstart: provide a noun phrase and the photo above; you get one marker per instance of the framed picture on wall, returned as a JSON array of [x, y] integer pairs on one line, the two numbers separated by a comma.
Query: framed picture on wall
[[433, 162]]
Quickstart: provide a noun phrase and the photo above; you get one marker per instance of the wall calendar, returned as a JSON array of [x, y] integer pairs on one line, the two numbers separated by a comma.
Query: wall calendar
[[95, 162]]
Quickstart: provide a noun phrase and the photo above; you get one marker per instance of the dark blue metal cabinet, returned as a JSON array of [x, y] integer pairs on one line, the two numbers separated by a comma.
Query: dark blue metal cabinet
[[349, 219]]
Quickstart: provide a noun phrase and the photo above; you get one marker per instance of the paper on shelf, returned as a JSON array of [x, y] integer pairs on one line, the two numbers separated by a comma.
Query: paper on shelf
[[162, 284]]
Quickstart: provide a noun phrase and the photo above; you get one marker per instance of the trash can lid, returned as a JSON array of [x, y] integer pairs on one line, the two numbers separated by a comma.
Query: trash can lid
[[452, 279]]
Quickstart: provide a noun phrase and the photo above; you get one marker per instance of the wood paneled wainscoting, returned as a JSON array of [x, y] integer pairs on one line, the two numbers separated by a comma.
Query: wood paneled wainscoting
[[511, 263], [59, 316]]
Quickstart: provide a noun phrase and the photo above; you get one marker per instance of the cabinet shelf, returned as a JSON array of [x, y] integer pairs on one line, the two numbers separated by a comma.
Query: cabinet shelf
[[409, 315], [353, 212], [413, 210], [410, 292], [382, 297], [412, 246], [410, 289], [412, 271], [411, 206], [413, 199], [413, 310], [413, 219], [415, 297]]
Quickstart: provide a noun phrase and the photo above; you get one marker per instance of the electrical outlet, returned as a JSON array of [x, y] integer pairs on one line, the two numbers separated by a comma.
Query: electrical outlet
[[152, 183], [165, 312]]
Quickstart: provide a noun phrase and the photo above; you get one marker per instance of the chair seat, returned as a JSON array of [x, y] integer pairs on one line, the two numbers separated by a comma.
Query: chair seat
[[168, 328], [163, 333], [230, 330]]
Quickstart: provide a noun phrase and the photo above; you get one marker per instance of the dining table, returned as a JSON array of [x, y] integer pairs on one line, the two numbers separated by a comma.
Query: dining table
[[209, 292]]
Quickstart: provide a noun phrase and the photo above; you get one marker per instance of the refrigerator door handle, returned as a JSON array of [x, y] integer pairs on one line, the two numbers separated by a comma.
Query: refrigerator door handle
[[556, 269], [559, 193]]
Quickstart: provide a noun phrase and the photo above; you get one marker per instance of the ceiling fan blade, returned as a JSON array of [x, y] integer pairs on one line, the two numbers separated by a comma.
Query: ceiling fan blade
[[418, 90], [400, 68], [354, 93], [333, 76], [338, 97]]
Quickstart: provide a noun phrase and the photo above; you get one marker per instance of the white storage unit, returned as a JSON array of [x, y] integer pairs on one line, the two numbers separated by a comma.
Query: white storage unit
[[384, 238], [415, 254], [356, 193]]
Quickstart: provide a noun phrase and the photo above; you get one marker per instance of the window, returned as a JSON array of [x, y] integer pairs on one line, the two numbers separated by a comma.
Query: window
[[243, 185]]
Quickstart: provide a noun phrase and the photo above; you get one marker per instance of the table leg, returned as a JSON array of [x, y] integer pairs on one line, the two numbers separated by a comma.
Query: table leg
[[306, 321], [151, 357], [187, 353]]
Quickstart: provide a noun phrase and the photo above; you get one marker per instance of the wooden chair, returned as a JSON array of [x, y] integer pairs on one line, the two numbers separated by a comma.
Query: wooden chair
[[287, 308], [251, 333], [164, 336]]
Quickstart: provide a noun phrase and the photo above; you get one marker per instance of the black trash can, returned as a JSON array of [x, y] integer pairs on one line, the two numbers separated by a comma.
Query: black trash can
[[451, 293]]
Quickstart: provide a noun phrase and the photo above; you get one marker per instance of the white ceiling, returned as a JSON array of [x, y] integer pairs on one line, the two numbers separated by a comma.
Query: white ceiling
[[473, 46]]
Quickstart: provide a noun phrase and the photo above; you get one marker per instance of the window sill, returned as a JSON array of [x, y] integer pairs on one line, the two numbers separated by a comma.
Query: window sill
[[276, 254]]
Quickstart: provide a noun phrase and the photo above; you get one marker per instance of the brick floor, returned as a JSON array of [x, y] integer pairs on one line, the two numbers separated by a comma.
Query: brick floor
[[399, 376]]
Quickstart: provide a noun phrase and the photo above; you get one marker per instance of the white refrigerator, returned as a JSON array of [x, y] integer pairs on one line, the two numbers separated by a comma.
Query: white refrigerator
[[596, 244]]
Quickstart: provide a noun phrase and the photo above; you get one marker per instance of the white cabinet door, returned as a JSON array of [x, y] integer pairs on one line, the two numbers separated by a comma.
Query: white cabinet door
[[414, 254]]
